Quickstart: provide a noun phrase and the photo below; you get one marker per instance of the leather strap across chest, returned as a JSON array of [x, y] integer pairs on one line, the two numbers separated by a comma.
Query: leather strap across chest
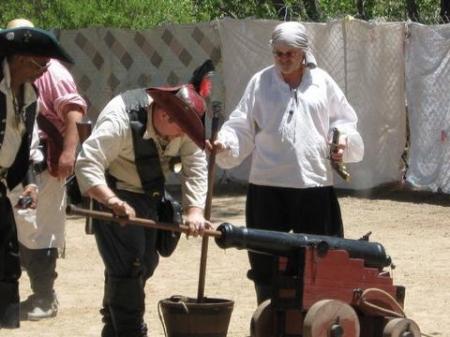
[[148, 163]]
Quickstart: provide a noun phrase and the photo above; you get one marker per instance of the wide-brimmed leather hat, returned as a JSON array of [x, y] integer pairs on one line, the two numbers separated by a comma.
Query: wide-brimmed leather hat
[[185, 106], [31, 41]]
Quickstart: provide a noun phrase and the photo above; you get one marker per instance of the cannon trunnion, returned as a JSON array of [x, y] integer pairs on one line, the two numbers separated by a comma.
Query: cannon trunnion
[[324, 286]]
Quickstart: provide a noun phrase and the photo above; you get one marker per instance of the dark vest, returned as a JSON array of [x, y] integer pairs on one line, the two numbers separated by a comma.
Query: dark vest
[[18, 170], [147, 159], [148, 166]]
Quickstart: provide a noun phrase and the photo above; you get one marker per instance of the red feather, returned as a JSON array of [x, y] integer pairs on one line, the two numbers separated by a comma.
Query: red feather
[[201, 78], [205, 86]]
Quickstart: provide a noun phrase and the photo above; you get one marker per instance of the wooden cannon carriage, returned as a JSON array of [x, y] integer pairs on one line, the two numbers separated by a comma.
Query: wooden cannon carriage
[[324, 286]]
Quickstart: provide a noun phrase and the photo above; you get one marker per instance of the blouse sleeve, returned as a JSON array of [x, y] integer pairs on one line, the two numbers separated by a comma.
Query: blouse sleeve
[[238, 132], [344, 118]]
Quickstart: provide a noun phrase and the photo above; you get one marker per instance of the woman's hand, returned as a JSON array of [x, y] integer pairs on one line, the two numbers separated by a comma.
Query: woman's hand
[[337, 150], [218, 146]]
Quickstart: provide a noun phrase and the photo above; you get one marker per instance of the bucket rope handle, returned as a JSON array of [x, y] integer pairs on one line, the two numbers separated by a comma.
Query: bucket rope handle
[[161, 318], [179, 301]]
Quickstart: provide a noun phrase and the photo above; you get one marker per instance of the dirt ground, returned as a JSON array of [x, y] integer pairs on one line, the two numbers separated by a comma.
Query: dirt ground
[[413, 227]]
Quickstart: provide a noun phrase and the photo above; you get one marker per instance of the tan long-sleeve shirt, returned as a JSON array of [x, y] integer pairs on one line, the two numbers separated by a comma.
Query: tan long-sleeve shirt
[[110, 147]]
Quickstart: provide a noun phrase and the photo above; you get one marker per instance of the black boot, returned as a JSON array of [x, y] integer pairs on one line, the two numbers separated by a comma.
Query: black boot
[[9, 305], [40, 265], [126, 297], [263, 292], [144, 330], [43, 307], [108, 328]]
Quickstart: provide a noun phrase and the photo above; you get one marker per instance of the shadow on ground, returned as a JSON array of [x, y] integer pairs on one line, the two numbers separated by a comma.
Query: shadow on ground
[[399, 192]]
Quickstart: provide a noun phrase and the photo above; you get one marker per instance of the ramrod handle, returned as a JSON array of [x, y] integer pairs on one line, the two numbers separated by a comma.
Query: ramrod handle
[[285, 244]]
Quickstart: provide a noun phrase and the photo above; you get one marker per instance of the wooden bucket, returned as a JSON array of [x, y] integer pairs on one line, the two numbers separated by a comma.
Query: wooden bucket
[[184, 317]]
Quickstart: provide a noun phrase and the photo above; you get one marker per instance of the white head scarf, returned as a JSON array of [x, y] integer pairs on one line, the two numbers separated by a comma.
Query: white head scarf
[[294, 34]]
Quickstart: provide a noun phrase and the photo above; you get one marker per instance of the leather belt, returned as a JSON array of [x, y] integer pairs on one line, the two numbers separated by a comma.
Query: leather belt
[[40, 167], [3, 172], [3, 189]]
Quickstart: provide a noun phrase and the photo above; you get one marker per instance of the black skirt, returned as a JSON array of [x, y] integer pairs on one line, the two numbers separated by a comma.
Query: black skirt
[[309, 211]]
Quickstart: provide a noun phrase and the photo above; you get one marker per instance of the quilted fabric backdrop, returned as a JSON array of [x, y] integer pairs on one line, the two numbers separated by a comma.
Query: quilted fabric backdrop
[[428, 75], [109, 61], [367, 60]]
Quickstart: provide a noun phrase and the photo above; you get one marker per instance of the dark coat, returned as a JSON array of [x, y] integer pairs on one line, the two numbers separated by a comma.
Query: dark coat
[[20, 168]]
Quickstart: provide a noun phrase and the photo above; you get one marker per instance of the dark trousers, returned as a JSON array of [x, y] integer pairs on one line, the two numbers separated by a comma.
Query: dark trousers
[[9, 264], [40, 265], [310, 211], [130, 258]]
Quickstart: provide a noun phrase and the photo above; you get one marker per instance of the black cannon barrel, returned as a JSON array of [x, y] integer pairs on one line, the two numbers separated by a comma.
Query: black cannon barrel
[[284, 244]]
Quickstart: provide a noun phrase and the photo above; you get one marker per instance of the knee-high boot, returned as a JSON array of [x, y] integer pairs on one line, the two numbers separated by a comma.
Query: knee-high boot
[[108, 327], [40, 265], [9, 305], [127, 306], [9, 265], [263, 292], [41, 269]]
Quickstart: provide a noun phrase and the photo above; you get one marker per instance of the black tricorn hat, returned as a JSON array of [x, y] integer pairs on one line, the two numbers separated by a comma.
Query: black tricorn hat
[[31, 41]]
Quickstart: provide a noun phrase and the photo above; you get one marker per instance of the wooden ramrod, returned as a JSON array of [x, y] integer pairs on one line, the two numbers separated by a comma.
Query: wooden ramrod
[[262, 241]]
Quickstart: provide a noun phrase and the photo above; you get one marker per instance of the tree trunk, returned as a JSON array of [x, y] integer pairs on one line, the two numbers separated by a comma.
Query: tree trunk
[[445, 11], [361, 9], [313, 9], [281, 9], [412, 10]]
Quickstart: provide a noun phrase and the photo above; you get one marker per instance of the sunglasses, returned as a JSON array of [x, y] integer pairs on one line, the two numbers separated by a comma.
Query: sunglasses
[[39, 66], [287, 54]]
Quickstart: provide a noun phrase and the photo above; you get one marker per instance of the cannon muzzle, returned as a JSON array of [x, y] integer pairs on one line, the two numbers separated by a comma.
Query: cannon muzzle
[[286, 244]]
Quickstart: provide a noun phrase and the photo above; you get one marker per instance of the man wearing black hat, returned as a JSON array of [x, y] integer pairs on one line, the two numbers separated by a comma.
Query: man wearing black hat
[[41, 232], [136, 137], [24, 55]]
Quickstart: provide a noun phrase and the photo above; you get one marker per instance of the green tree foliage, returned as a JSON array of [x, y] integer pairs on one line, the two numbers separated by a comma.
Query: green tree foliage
[[143, 14], [389, 10], [207, 10], [72, 14]]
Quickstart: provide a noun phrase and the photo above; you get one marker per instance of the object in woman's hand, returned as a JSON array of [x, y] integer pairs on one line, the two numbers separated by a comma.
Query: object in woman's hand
[[339, 167], [24, 202]]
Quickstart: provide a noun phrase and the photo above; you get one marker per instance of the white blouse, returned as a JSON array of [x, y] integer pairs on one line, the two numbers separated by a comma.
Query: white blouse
[[288, 131]]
